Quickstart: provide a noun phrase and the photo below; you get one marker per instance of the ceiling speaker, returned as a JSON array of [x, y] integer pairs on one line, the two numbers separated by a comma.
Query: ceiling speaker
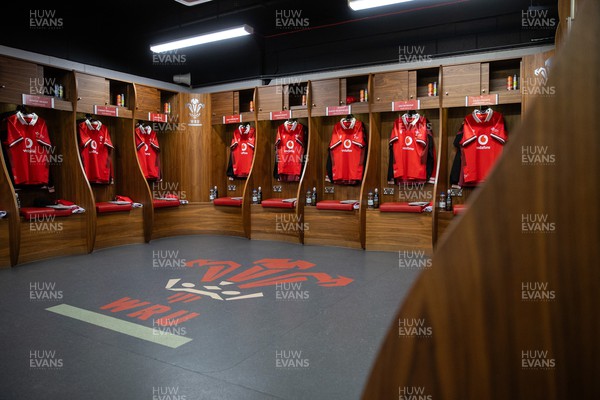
[[185, 79]]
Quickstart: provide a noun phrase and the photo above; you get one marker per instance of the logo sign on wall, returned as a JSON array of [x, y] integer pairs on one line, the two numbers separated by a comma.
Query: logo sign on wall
[[194, 108]]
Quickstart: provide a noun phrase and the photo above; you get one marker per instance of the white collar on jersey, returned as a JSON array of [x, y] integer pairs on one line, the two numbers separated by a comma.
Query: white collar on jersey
[[352, 123], [96, 125], [146, 129], [290, 126], [244, 129], [489, 112], [21, 117], [416, 118]]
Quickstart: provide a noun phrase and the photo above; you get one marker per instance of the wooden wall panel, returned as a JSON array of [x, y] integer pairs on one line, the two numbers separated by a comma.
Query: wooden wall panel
[[482, 325], [4, 243], [10, 225], [147, 99], [319, 228], [185, 157], [398, 231], [16, 77], [275, 224], [110, 230], [91, 90], [63, 236]]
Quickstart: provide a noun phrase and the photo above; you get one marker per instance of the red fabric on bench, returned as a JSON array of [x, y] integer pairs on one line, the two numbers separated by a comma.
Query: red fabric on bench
[[41, 212], [334, 205], [157, 203], [106, 207], [278, 203], [227, 201], [459, 209], [400, 207]]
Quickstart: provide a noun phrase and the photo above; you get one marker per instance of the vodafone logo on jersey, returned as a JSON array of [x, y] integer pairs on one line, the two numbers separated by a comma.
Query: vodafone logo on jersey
[[483, 141], [94, 145], [347, 146], [28, 143], [290, 144], [408, 141], [244, 148]]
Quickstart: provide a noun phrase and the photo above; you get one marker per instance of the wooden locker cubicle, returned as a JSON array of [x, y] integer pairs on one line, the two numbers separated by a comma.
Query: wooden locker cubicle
[[97, 97], [53, 237]]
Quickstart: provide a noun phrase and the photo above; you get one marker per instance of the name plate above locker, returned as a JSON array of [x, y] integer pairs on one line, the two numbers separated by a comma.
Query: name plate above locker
[[406, 105], [484, 100], [338, 110], [232, 119], [109, 111], [277, 115], [38, 101], [157, 117]]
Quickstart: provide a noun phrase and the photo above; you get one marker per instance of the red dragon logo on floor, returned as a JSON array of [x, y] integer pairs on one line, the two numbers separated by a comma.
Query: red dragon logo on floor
[[224, 280]]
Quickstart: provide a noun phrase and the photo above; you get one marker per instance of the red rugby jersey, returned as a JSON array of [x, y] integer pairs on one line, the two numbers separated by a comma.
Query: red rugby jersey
[[28, 148], [96, 147], [146, 143], [483, 140]]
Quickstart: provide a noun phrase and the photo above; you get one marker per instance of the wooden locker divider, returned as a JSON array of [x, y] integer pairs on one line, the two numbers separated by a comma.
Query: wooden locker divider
[[488, 333], [9, 225]]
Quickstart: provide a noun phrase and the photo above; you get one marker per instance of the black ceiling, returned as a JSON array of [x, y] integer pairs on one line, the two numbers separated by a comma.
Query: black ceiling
[[327, 34]]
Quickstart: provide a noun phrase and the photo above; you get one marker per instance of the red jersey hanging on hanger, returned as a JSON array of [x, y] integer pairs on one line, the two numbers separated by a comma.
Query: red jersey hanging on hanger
[[96, 147]]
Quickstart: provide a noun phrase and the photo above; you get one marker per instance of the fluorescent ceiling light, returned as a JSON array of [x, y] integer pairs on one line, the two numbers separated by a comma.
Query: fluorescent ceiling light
[[201, 39], [357, 5], [192, 2]]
